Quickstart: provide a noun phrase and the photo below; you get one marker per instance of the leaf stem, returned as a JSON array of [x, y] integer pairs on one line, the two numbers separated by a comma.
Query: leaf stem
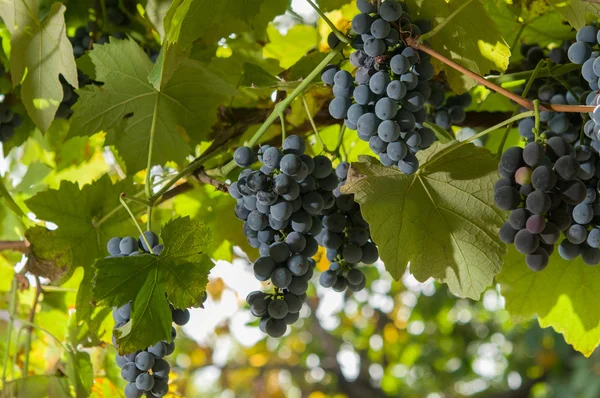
[[282, 118], [441, 26], [114, 211], [312, 122], [334, 29], [285, 103], [500, 90], [137, 200], [12, 205], [11, 316], [533, 76], [142, 235], [38, 292], [558, 71], [536, 114], [148, 186], [518, 36]]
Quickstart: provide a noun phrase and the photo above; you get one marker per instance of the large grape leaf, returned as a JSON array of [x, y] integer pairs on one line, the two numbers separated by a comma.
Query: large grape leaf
[[181, 271], [577, 12], [189, 20], [471, 38], [562, 296], [41, 52], [82, 231], [442, 220], [180, 112]]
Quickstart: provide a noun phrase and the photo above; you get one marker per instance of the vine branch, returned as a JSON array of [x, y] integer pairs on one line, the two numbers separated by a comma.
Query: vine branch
[[16, 245], [524, 102]]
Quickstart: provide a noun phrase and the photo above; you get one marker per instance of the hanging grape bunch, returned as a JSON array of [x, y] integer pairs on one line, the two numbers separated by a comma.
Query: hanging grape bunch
[[540, 184], [280, 205], [146, 371], [385, 99], [347, 239]]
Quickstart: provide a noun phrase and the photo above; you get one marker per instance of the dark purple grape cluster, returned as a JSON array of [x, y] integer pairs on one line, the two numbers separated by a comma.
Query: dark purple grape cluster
[[146, 371], [385, 100], [540, 184], [276, 310], [281, 205], [347, 238]]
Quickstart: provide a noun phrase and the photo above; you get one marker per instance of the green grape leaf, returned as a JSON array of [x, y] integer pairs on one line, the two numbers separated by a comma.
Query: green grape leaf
[[44, 53], [562, 296], [80, 373], [291, 47], [442, 219], [181, 271], [38, 386], [181, 112], [471, 39], [82, 232], [256, 77], [577, 12], [189, 20], [528, 26]]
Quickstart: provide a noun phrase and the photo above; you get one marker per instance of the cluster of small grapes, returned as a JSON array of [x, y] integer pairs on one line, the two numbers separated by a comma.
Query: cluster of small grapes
[[276, 310], [534, 53], [385, 101], [539, 184], [449, 111], [347, 238], [280, 205]]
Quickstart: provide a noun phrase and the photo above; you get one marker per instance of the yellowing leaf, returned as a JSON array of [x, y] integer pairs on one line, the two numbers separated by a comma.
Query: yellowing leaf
[[562, 296], [290, 48], [41, 52], [441, 220]]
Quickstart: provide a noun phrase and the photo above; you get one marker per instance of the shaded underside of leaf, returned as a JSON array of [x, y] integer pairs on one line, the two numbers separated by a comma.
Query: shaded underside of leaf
[[442, 220]]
